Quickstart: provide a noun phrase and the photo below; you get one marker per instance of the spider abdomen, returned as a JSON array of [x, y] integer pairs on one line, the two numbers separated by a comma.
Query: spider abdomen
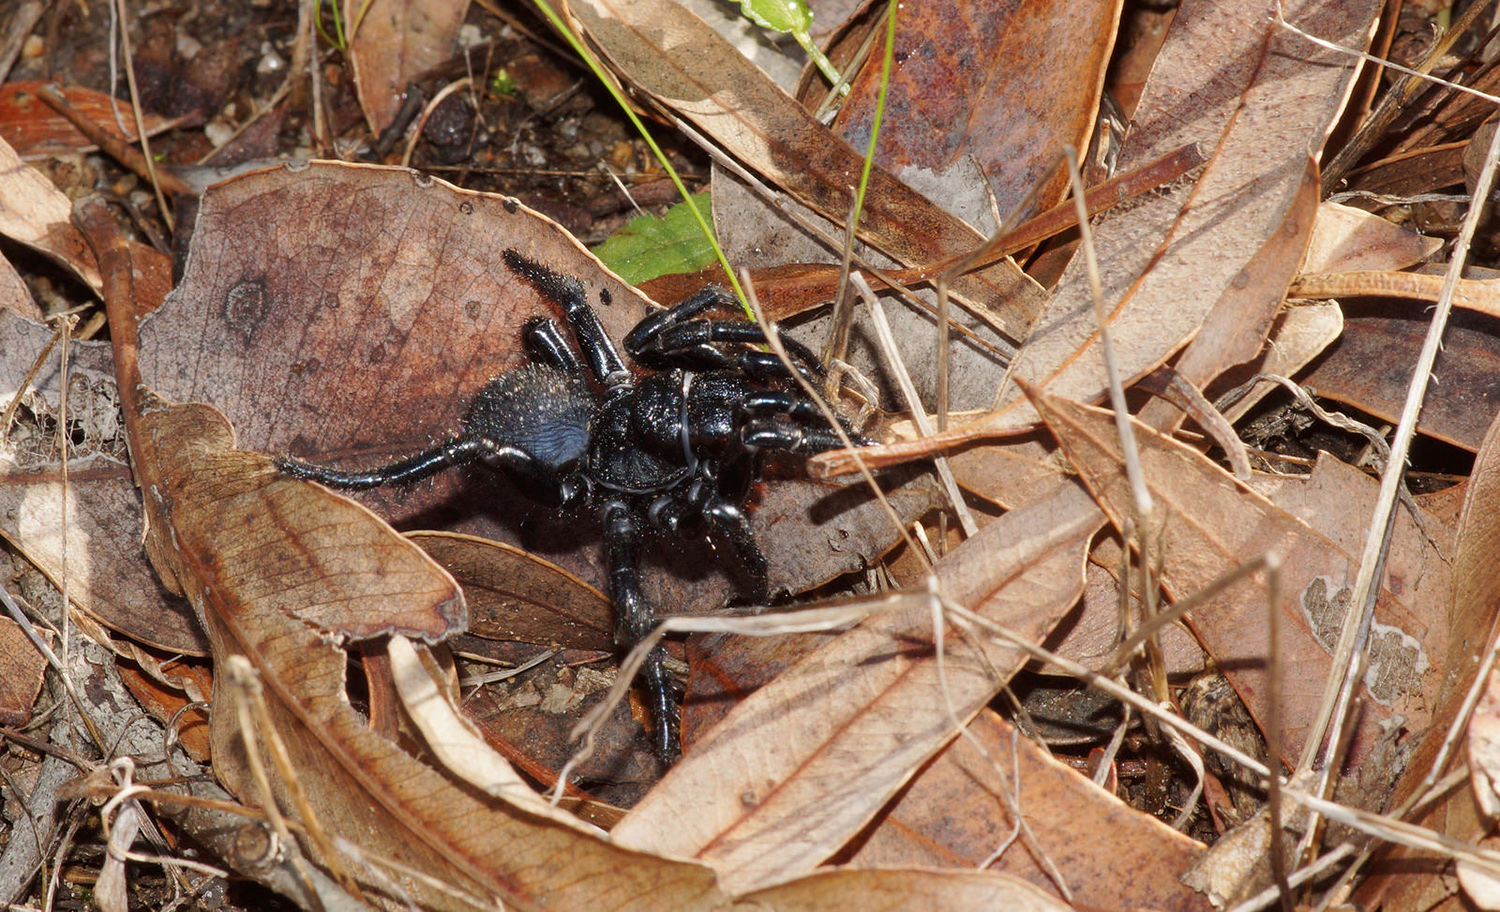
[[538, 409]]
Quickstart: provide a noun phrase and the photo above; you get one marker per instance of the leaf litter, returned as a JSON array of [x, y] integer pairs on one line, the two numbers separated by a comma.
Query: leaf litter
[[312, 317]]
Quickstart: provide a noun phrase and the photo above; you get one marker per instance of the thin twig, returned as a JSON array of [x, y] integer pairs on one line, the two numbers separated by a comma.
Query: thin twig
[[140, 120], [908, 389], [1274, 733]]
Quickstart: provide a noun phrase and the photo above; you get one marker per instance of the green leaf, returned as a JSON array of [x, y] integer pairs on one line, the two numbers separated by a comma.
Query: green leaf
[[778, 15], [792, 16], [648, 246]]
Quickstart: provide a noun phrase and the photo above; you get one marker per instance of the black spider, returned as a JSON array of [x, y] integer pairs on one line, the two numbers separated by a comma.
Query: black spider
[[677, 449]]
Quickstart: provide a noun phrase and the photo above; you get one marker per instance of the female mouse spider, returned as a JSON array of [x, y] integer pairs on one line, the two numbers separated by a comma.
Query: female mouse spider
[[675, 449]]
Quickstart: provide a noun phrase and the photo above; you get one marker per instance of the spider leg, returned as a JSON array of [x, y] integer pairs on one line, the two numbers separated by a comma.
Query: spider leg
[[634, 618], [783, 402], [639, 338], [603, 359], [458, 451], [812, 423], [731, 523], [544, 343], [768, 367], [797, 439], [693, 340]]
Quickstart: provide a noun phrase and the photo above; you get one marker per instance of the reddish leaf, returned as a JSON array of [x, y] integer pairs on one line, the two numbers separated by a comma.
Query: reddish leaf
[[35, 130]]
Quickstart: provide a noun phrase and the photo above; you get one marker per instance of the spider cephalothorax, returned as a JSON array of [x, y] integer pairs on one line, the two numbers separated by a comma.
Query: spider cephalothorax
[[676, 450]]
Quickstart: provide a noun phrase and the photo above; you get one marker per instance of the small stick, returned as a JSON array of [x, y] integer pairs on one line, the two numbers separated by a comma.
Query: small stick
[[113, 146]]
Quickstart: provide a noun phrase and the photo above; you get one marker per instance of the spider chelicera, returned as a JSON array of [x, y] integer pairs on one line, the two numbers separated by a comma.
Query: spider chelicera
[[676, 450]]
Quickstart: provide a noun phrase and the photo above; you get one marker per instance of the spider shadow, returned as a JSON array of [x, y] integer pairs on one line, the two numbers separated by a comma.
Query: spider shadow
[[685, 572]]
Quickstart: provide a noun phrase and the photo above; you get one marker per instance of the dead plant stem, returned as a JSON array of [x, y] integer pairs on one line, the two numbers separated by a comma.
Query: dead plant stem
[[140, 117], [897, 364]]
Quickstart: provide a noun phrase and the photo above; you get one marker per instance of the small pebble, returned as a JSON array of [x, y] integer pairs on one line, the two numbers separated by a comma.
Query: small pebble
[[188, 47], [270, 61], [218, 132]]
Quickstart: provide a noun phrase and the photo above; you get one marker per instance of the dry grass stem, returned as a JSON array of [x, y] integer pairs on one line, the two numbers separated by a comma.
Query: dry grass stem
[[897, 364]]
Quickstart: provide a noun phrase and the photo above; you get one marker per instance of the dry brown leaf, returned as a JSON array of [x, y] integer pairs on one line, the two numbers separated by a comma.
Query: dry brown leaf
[[168, 702], [34, 130], [725, 668], [980, 81], [736, 105], [1111, 856], [1165, 264], [431, 703], [514, 595], [1227, 78], [1235, 330], [347, 314], [1370, 368], [393, 41], [801, 765], [21, 666], [896, 891], [1337, 500], [1205, 523], [1481, 295], [1093, 627], [1345, 239], [98, 549], [1484, 748], [14, 295], [1473, 625], [1300, 332], [35, 213]]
